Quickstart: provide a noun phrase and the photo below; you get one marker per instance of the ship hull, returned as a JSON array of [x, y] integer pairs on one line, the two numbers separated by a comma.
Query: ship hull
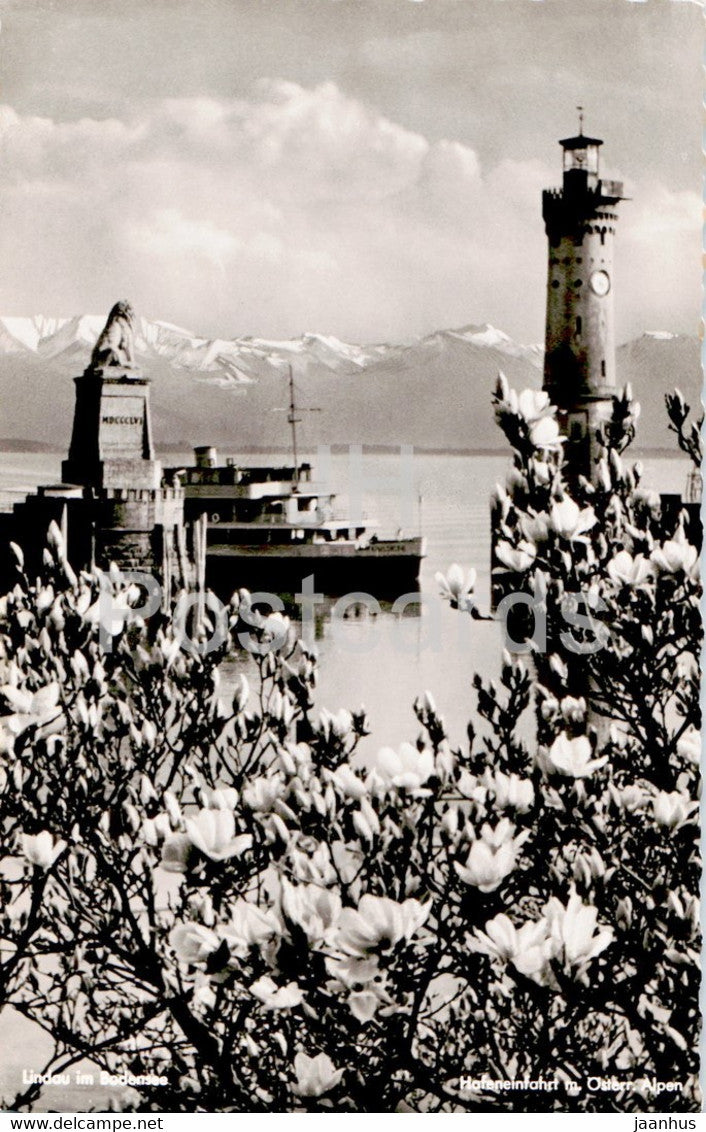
[[384, 569]]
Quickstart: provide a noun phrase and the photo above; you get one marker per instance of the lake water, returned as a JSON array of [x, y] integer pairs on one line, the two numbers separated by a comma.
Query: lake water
[[383, 661]]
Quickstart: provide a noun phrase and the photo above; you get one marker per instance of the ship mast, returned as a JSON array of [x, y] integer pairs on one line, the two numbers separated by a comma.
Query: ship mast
[[293, 420]]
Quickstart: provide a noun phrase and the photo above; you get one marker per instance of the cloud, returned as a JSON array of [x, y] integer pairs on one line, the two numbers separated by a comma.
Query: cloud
[[298, 208]]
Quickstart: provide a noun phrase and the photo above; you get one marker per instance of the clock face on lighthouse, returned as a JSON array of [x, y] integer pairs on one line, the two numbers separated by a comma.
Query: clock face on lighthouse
[[600, 282]]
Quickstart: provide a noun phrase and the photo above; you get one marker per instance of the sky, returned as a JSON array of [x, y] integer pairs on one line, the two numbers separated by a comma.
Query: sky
[[370, 169]]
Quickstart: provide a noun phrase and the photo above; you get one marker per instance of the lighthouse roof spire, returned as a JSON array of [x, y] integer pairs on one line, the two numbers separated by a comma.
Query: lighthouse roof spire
[[580, 140]]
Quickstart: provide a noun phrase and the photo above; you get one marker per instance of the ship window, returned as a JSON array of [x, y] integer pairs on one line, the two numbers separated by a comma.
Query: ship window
[[579, 324]]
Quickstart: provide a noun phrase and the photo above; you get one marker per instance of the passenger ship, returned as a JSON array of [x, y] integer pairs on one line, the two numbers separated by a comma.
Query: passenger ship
[[269, 528]]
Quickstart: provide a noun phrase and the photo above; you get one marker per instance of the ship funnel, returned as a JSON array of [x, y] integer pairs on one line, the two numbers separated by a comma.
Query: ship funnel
[[206, 456]]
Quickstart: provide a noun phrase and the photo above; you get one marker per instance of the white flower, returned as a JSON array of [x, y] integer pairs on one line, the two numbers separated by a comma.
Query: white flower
[[499, 939], [276, 630], [312, 908], [519, 557], [569, 520], [348, 782], [511, 791], [250, 926], [407, 767], [492, 857], [689, 745], [631, 797], [339, 725], [572, 757], [274, 997], [363, 1005], [672, 810], [379, 923], [193, 942], [572, 709], [542, 470], [41, 849], [241, 693], [575, 932], [532, 403], [544, 433], [32, 709], [676, 555], [628, 571], [261, 793], [456, 586], [351, 972], [315, 1075], [527, 948], [212, 832]]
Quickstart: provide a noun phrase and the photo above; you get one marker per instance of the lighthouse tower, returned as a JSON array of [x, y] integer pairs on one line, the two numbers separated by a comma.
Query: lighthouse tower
[[579, 366]]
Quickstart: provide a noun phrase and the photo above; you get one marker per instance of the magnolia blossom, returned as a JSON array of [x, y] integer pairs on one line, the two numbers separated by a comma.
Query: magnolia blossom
[[518, 558], [569, 520], [532, 404], [689, 745], [572, 757], [312, 908], [41, 849], [672, 810], [250, 926], [315, 1075], [573, 709], [631, 798], [457, 586], [348, 782], [527, 947], [676, 555], [576, 935], [274, 997], [212, 832], [566, 934], [241, 693], [407, 768], [363, 1005], [338, 725], [32, 709], [193, 942], [378, 924], [352, 972], [262, 792], [492, 856], [544, 433], [511, 791], [626, 570]]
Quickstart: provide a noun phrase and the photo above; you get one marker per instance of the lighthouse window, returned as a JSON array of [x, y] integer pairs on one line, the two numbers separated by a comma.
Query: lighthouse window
[[603, 369], [578, 283], [603, 235], [555, 283], [578, 324]]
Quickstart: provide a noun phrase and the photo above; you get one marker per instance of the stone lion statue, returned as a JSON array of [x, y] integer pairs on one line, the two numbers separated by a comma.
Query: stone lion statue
[[116, 341]]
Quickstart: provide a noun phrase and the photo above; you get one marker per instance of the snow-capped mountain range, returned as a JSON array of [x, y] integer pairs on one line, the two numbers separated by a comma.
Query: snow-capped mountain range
[[434, 392], [239, 359]]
